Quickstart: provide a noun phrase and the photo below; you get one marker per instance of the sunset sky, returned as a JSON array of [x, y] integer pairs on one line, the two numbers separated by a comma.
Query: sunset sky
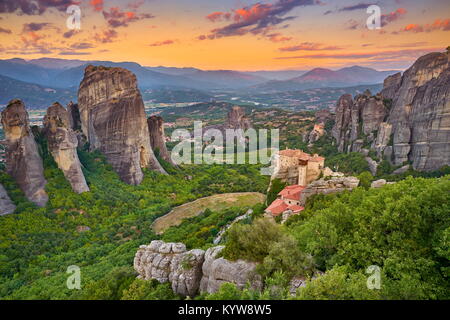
[[227, 34]]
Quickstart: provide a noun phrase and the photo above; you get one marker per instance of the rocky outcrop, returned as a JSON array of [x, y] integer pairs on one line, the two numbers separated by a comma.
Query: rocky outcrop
[[326, 186], [373, 165], [236, 119], [171, 262], [74, 116], [378, 183], [62, 144], [157, 137], [391, 85], [315, 134], [23, 161], [357, 120], [420, 114], [341, 129], [6, 205], [191, 271], [113, 120], [409, 121], [217, 271], [383, 139], [75, 123]]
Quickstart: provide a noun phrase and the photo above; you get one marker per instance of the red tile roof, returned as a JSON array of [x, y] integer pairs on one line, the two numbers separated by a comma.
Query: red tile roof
[[292, 192], [278, 207]]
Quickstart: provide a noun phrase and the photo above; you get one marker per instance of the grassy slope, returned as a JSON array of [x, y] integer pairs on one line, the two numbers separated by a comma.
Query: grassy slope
[[216, 202]]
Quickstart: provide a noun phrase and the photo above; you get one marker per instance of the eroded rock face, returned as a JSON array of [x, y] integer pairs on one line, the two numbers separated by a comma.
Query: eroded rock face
[[74, 116], [237, 120], [157, 137], [6, 205], [171, 262], [114, 122], [23, 161], [62, 144], [420, 114], [356, 119], [408, 121], [192, 271], [341, 129], [378, 183], [217, 271], [322, 186], [391, 85]]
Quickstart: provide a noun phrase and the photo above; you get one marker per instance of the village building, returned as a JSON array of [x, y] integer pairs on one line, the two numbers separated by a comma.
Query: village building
[[296, 167], [287, 203]]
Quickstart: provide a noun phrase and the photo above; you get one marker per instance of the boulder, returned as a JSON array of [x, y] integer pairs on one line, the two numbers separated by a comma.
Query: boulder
[[217, 271], [62, 144], [378, 183], [113, 120], [192, 271], [373, 165], [23, 161], [401, 169], [171, 262]]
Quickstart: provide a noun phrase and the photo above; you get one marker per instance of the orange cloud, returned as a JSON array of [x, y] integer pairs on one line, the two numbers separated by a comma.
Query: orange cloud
[[309, 46], [392, 16], [162, 43], [217, 16], [438, 24], [278, 37], [97, 5]]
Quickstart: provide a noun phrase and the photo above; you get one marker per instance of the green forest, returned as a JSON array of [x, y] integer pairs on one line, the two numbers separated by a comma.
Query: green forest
[[403, 228]]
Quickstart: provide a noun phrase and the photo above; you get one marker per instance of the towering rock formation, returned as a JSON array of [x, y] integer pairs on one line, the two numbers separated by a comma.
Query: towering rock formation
[[237, 120], [62, 144], [367, 110], [74, 116], [420, 114], [157, 137], [6, 205], [409, 121], [23, 161], [114, 122]]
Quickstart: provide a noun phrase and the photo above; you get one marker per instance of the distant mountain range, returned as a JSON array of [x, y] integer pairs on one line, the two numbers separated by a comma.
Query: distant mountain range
[[47, 75], [34, 95], [321, 78]]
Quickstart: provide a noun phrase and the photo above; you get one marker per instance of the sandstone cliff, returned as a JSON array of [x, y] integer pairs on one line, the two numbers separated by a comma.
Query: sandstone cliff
[[157, 137], [237, 119], [191, 271], [62, 144], [217, 271], [420, 115], [6, 205], [409, 121], [357, 119], [114, 122], [23, 161]]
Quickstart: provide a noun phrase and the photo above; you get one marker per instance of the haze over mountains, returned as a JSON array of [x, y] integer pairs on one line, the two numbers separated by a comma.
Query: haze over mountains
[[47, 76]]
